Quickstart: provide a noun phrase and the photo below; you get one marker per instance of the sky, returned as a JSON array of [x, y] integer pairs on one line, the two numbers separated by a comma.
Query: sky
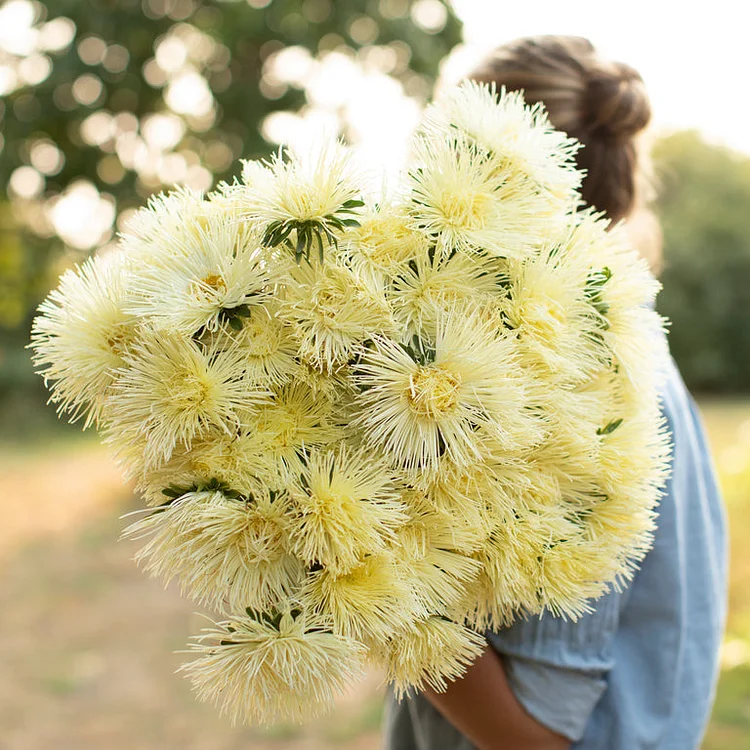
[[693, 56]]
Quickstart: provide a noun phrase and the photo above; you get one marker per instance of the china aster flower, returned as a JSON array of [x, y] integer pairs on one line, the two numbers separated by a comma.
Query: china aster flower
[[178, 216], [266, 342], [432, 283], [419, 403], [449, 512], [346, 506], [331, 310], [306, 201], [217, 275], [515, 134], [384, 242], [467, 199], [430, 560], [82, 333], [225, 549], [552, 307], [431, 653], [171, 391], [259, 668], [292, 422], [630, 283], [368, 602]]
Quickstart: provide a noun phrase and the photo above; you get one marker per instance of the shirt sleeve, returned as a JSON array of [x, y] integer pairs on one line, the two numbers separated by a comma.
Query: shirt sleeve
[[557, 668]]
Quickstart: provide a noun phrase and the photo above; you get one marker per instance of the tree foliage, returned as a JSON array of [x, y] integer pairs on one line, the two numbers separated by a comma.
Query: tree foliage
[[704, 206], [200, 64]]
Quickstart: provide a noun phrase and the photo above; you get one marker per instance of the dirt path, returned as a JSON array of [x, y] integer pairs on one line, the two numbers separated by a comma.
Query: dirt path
[[88, 643], [56, 493]]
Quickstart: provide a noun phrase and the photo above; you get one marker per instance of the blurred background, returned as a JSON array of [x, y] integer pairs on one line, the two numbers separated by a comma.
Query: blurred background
[[103, 102]]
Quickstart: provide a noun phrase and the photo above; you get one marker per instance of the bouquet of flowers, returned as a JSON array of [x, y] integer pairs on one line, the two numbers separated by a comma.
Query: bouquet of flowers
[[369, 427]]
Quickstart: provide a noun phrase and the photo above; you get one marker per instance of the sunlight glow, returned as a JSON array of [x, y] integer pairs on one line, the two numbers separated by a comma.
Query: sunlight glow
[[82, 216], [693, 63]]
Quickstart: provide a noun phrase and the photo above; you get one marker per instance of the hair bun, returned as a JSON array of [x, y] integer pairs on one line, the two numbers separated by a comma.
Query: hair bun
[[616, 103]]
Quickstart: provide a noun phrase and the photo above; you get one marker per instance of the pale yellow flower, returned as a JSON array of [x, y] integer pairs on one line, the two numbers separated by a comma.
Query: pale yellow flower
[[177, 216], [225, 551], [432, 283], [559, 330], [385, 242], [418, 403], [267, 343], [259, 671], [466, 199], [306, 201], [331, 310], [81, 335], [295, 420], [367, 603], [431, 653], [216, 274], [515, 134], [429, 555], [346, 506], [171, 392]]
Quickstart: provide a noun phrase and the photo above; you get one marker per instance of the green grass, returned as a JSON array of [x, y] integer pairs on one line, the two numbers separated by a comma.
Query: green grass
[[728, 423]]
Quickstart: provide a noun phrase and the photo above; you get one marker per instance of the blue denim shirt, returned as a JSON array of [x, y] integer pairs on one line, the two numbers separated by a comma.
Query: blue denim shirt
[[640, 672]]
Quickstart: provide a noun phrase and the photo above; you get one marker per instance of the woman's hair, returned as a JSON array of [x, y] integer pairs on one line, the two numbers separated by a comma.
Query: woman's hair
[[602, 104]]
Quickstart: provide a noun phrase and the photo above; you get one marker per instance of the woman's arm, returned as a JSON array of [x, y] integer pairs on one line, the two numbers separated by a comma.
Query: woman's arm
[[482, 706]]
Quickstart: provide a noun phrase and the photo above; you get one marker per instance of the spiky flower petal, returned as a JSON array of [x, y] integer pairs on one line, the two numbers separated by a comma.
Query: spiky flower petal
[[170, 391], [419, 403], [82, 333], [259, 671], [225, 550], [431, 653], [294, 420], [366, 603], [215, 275], [266, 342], [469, 199], [306, 201], [521, 136], [432, 284], [346, 506], [331, 310], [385, 242]]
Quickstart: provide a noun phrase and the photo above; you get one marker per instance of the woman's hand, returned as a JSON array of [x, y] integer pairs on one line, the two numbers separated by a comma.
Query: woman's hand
[[483, 707]]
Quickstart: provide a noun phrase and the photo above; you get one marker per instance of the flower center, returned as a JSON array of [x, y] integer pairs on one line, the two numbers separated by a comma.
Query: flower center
[[433, 391], [544, 316], [327, 303], [209, 287], [467, 211], [261, 338], [190, 392], [264, 538], [119, 338], [390, 244]]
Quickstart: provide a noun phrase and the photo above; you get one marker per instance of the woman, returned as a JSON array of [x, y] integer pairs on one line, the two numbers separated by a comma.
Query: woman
[[640, 671]]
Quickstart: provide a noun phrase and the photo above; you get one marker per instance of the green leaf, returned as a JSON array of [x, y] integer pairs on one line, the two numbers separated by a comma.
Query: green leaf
[[609, 428], [352, 203]]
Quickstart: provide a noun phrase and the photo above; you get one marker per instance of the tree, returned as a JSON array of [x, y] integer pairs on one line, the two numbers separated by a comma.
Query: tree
[[132, 95], [704, 206]]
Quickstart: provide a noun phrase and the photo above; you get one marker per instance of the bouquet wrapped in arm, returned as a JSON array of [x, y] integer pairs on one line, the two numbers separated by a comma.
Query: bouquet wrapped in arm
[[369, 429]]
